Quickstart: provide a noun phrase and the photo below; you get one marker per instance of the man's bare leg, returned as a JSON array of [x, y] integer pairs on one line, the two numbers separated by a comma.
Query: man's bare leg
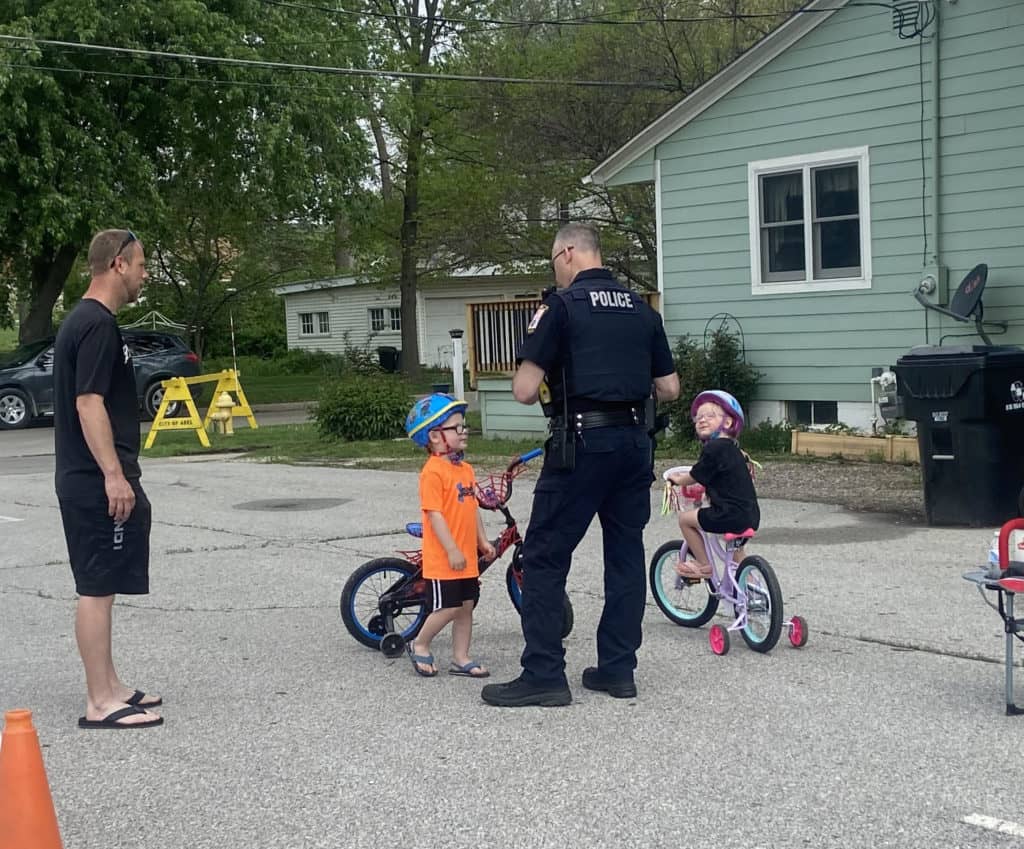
[[104, 691]]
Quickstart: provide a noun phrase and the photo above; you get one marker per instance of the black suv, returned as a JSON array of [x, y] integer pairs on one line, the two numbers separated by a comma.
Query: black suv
[[26, 375]]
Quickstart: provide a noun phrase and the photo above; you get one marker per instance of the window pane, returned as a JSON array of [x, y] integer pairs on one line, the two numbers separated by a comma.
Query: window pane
[[377, 318], [825, 412], [306, 320], [784, 249], [324, 321], [835, 191], [839, 242], [782, 198], [396, 318], [800, 412]]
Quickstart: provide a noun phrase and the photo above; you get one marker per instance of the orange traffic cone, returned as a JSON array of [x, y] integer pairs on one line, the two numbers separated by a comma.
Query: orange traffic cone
[[27, 817]]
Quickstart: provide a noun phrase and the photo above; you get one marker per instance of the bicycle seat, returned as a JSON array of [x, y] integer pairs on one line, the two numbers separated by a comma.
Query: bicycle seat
[[415, 529], [1011, 585], [747, 534]]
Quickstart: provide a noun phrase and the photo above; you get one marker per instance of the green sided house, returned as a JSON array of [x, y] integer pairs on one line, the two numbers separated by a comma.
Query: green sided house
[[809, 188]]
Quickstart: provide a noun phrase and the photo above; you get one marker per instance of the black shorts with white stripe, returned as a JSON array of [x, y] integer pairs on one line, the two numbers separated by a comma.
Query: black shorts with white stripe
[[452, 593]]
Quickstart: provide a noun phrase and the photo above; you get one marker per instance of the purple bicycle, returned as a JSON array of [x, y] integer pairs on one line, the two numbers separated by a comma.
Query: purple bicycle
[[749, 586]]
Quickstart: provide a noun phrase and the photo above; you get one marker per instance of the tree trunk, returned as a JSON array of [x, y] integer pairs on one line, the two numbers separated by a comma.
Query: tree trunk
[[50, 271], [384, 162], [342, 244], [407, 285]]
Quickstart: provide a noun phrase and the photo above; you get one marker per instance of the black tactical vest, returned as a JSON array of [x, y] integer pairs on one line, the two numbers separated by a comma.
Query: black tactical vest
[[609, 350]]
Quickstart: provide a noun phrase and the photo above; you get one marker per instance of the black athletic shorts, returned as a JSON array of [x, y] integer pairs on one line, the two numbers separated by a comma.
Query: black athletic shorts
[[723, 520], [451, 593], [107, 558]]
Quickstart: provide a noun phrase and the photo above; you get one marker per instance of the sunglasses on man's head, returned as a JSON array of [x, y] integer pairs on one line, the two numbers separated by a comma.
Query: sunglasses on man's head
[[131, 237]]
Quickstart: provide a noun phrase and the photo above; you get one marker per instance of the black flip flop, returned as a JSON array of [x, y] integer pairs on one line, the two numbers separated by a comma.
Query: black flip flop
[[135, 699], [111, 720]]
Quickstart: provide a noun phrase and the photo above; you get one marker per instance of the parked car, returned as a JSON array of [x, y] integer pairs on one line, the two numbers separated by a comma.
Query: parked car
[[26, 375]]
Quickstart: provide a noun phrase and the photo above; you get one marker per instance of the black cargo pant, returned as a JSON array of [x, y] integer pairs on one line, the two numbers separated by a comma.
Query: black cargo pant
[[611, 480]]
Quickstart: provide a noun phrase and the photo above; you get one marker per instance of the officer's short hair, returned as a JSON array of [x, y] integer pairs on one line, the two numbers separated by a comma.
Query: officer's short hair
[[584, 236], [106, 245]]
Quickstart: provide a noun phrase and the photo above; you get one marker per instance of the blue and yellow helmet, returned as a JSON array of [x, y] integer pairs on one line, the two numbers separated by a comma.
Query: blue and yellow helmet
[[430, 412]]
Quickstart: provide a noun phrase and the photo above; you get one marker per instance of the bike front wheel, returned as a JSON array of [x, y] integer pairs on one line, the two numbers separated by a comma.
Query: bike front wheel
[[686, 602], [360, 601], [514, 585], [757, 581]]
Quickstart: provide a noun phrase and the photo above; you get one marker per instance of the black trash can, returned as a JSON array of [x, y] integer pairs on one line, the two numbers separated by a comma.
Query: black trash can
[[968, 402], [387, 355]]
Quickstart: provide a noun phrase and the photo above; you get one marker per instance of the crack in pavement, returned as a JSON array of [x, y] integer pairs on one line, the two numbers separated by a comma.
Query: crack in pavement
[[37, 593], [859, 638]]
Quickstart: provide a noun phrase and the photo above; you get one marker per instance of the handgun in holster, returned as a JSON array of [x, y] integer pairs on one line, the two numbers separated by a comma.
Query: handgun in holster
[[656, 422], [561, 444]]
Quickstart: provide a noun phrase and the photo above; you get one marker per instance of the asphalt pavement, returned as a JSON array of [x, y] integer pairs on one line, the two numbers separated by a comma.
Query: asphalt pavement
[[886, 730], [37, 439]]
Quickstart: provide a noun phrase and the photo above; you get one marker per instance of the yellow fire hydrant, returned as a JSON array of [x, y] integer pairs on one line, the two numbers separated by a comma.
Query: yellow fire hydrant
[[223, 418]]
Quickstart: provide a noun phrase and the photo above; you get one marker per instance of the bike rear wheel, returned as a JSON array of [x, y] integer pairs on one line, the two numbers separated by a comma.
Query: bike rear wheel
[[514, 585], [687, 603], [360, 601], [756, 579]]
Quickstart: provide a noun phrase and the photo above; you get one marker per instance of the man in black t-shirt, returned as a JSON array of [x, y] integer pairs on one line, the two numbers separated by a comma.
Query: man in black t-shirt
[[105, 512]]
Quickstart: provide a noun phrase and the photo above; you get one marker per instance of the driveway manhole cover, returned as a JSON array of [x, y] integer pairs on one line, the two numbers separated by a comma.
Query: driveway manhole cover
[[296, 504]]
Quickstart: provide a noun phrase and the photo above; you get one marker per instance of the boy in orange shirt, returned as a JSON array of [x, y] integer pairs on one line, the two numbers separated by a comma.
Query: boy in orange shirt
[[453, 533]]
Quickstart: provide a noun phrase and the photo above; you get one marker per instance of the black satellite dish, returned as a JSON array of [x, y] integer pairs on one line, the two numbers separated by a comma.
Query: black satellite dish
[[965, 305]]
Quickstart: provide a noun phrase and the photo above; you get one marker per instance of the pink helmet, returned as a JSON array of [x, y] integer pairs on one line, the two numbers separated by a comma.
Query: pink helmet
[[729, 405]]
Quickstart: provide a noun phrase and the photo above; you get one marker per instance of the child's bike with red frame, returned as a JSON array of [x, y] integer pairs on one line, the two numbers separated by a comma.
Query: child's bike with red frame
[[748, 585], [384, 602]]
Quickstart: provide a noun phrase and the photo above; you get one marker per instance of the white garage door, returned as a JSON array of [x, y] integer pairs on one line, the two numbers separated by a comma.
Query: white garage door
[[443, 314]]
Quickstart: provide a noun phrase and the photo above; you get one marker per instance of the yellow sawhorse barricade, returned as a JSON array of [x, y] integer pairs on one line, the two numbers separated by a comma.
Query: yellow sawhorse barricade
[[176, 389]]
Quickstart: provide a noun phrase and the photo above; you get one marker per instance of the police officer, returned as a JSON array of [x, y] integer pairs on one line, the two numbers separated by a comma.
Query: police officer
[[591, 353]]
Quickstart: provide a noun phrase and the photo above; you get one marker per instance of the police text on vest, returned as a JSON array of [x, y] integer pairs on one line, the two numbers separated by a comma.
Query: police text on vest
[[611, 299]]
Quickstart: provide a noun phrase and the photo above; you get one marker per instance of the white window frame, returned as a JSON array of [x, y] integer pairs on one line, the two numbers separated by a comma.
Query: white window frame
[[812, 424], [390, 319], [316, 327], [370, 317], [806, 163]]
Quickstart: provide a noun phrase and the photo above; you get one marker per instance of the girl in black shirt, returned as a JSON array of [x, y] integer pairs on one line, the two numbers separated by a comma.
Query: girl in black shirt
[[723, 470]]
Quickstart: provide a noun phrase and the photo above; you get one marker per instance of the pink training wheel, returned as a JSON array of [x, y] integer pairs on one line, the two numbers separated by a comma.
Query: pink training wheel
[[719, 639], [798, 632]]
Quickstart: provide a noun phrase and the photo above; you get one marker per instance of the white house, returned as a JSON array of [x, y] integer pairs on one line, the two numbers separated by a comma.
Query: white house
[[328, 314]]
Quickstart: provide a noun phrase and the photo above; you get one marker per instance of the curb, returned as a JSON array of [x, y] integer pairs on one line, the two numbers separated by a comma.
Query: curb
[[285, 407]]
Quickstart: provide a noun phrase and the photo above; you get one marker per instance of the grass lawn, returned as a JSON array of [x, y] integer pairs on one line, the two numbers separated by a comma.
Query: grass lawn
[[262, 386], [300, 443], [278, 389], [8, 339]]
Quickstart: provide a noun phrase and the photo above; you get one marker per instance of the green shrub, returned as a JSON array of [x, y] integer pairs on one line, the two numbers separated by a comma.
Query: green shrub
[[363, 407], [358, 360], [720, 365], [768, 437]]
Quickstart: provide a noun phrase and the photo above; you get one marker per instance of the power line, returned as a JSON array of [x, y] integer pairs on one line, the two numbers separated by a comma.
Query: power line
[[220, 81], [586, 20], [321, 69]]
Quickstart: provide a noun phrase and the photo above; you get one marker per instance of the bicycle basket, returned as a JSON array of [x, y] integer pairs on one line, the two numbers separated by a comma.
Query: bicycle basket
[[492, 491]]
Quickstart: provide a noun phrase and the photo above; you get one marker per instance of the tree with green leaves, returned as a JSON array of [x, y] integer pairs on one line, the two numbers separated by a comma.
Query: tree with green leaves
[[524, 150], [200, 158]]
